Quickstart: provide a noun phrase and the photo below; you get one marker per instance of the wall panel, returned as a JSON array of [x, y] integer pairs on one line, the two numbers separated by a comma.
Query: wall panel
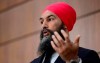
[[20, 28]]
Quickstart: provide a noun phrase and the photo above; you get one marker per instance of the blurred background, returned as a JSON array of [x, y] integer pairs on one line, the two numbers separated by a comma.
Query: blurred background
[[20, 27]]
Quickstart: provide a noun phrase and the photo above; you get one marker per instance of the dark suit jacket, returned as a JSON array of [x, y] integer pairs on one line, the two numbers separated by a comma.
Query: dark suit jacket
[[87, 56]]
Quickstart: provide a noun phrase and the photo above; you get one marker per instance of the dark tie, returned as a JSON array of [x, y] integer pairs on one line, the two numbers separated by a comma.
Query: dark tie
[[47, 57]]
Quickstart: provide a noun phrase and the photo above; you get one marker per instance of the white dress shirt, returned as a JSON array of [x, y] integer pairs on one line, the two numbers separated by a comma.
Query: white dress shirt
[[55, 56]]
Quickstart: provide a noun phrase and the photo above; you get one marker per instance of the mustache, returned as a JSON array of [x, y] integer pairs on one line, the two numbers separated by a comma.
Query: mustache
[[51, 32], [45, 30]]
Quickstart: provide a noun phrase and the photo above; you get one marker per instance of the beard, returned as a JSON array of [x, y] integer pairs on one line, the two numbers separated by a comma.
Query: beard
[[45, 45]]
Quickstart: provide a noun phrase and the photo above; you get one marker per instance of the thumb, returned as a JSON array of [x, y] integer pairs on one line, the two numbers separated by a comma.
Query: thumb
[[76, 42]]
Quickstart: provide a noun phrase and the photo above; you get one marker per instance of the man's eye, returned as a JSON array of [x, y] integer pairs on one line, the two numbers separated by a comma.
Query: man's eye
[[50, 19], [41, 22]]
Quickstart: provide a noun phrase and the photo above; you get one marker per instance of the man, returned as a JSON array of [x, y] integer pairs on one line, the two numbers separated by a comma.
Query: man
[[55, 46]]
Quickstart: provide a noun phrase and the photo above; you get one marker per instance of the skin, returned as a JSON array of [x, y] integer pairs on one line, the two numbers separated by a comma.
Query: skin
[[65, 48]]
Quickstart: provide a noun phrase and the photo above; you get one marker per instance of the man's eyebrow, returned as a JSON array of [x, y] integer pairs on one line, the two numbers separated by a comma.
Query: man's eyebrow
[[47, 17], [50, 16], [40, 18]]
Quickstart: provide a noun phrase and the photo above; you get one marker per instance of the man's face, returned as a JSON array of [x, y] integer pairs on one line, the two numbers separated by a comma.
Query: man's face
[[49, 23]]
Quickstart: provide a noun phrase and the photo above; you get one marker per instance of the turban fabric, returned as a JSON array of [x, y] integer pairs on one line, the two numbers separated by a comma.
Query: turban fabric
[[65, 12]]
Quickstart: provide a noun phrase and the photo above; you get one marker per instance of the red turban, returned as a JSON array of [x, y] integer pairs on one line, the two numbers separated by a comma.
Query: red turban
[[65, 12]]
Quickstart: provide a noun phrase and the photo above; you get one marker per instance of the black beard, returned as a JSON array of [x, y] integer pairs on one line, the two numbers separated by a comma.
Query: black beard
[[45, 45]]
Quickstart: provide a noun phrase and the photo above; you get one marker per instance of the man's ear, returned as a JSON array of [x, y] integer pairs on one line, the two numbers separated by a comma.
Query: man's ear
[[64, 27]]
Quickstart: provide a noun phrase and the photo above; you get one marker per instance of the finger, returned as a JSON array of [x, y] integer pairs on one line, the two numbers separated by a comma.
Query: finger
[[61, 41], [56, 41], [76, 42], [66, 36], [53, 45]]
